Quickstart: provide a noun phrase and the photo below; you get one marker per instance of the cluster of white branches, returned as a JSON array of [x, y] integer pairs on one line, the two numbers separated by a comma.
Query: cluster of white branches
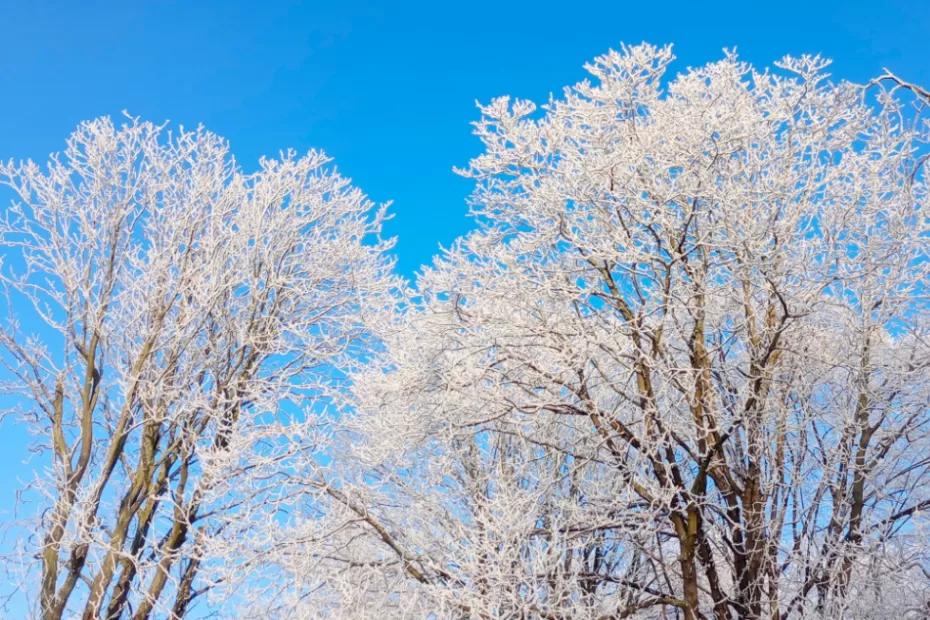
[[680, 369], [176, 327]]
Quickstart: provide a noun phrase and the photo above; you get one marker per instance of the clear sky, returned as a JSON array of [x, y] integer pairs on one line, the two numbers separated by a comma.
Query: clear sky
[[388, 89]]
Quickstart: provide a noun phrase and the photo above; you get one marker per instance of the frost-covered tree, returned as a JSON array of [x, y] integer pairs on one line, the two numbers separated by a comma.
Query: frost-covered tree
[[175, 326], [680, 370]]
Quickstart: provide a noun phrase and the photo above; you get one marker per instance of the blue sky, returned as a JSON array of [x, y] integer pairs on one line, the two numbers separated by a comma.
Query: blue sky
[[388, 89]]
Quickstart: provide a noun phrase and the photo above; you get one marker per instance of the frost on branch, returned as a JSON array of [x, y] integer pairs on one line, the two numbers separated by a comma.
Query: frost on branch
[[680, 370], [175, 327]]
